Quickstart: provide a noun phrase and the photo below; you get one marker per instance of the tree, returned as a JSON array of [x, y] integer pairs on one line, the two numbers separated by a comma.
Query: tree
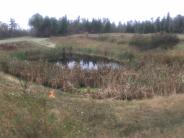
[[4, 30], [53, 26], [36, 22], [168, 23], [46, 27], [63, 25], [12, 27], [158, 25], [107, 25]]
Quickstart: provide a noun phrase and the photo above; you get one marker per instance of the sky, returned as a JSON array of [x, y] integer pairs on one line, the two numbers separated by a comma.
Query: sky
[[115, 10]]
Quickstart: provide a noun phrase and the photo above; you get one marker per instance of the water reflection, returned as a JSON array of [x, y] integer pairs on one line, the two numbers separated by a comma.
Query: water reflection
[[88, 64]]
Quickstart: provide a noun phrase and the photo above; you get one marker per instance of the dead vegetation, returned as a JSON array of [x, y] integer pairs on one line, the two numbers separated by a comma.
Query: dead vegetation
[[13, 46], [155, 77], [70, 115], [156, 73], [144, 82]]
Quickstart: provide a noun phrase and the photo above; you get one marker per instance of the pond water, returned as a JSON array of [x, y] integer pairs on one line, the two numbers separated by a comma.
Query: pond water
[[89, 64]]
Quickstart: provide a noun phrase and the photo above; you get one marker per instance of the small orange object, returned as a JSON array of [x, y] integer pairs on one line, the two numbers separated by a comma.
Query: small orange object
[[52, 94]]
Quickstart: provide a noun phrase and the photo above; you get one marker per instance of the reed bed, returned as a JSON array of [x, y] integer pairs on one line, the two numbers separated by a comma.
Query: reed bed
[[124, 83]]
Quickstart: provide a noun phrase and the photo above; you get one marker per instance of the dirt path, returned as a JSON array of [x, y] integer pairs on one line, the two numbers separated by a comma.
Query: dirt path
[[39, 41], [9, 77]]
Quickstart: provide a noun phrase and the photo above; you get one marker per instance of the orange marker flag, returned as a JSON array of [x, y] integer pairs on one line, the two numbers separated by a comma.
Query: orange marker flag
[[52, 94]]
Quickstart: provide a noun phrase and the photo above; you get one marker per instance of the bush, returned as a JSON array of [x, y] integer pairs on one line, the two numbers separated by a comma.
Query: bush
[[127, 56], [164, 40], [158, 40]]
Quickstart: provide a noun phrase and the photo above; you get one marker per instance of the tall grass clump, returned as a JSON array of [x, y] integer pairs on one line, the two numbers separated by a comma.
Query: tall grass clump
[[158, 40]]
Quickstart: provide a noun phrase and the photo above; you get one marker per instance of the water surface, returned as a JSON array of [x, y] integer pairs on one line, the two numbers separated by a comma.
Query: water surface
[[88, 64]]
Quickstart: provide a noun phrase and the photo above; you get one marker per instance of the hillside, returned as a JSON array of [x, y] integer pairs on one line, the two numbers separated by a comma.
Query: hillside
[[143, 99]]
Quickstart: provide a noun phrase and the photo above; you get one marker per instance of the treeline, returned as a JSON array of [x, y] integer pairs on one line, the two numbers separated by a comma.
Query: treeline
[[46, 26], [166, 24], [50, 26], [11, 30]]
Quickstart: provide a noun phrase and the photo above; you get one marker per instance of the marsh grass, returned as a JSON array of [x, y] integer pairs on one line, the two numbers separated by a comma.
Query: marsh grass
[[149, 74], [144, 81], [143, 75], [158, 40]]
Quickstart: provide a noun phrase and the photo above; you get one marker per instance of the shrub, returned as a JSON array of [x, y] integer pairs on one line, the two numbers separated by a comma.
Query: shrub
[[140, 41], [127, 56], [164, 40], [158, 40]]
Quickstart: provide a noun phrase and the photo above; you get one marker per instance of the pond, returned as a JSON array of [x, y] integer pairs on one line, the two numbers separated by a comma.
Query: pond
[[88, 64]]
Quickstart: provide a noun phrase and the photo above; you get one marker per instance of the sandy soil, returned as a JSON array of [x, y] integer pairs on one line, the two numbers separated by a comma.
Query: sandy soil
[[39, 41]]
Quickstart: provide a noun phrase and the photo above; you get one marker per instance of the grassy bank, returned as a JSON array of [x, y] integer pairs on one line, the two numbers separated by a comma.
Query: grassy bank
[[70, 115], [153, 77]]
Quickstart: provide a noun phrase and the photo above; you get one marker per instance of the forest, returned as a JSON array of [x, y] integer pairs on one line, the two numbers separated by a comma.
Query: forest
[[45, 26], [50, 26]]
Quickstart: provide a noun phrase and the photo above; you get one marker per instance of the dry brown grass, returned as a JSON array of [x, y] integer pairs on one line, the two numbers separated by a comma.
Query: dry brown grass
[[77, 116], [151, 73], [155, 74], [125, 83], [89, 42], [16, 46]]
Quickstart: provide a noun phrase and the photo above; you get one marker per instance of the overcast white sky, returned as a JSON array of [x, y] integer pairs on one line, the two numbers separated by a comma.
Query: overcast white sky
[[115, 10]]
